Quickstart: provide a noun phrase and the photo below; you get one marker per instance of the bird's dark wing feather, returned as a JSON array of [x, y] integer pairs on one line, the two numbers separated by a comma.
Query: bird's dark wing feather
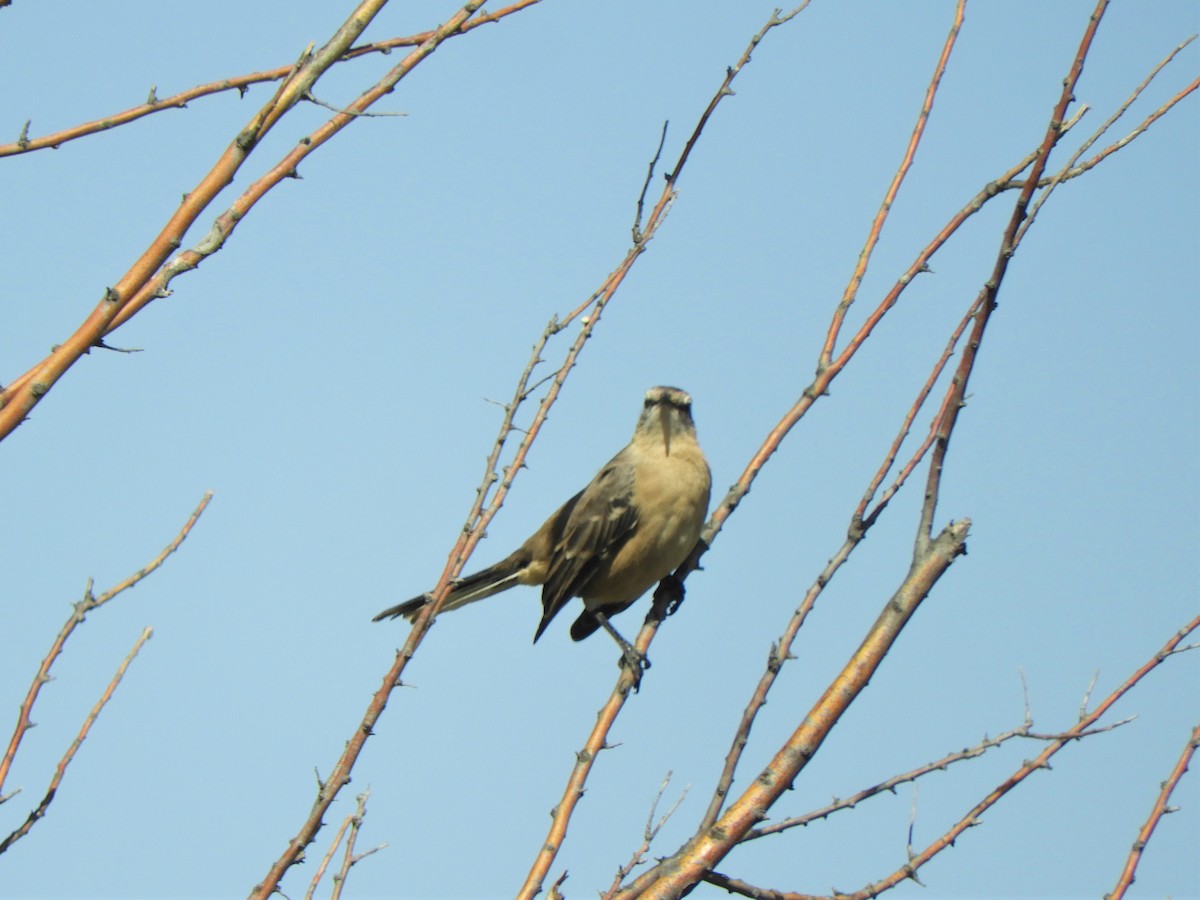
[[595, 524]]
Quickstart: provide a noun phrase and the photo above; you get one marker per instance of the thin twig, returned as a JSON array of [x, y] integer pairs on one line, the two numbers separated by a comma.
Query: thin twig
[[908, 870], [637, 218], [327, 857], [649, 833], [1160, 809], [862, 519], [78, 614], [61, 770], [955, 396], [1141, 129], [150, 276], [349, 859], [1087, 695], [1074, 735], [239, 83], [781, 650], [912, 826], [889, 198], [888, 785], [1073, 169], [1041, 761]]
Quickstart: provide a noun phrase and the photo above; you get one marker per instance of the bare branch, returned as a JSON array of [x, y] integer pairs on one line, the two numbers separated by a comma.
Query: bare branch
[[650, 832], [1041, 761], [889, 785], [910, 152], [1073, 168], [637, 219], [327, 858], [1141, 129], [955, 396], [150, 276], [239, 83], [82, 608], [477, 521], [781, 650], [701, 853], [80, 737], [349, 858], [1160, 809]]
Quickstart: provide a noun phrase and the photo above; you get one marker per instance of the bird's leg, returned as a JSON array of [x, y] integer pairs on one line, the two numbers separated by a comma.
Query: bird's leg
[[630, 657]]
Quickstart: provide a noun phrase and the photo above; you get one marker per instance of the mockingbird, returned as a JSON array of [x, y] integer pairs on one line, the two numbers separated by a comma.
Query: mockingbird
[[627, 530]]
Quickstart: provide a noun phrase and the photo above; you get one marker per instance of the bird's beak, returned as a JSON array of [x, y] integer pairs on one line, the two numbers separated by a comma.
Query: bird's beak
[[664, 413]]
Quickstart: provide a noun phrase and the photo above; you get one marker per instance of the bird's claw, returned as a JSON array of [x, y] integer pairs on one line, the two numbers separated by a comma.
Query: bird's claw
[[636, 663], [669, 595]]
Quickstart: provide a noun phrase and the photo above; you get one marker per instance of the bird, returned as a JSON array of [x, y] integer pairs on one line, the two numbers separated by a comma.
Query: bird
[[630, 528]]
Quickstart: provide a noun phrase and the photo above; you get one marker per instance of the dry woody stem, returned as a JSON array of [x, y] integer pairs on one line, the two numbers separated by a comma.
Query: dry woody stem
[[150, 276], [1160, 809], [89, 602]]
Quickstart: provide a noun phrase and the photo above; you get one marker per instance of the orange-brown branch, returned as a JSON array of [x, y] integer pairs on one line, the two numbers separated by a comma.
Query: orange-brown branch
[[889, 197], [240, 83], [1160, 809], [672, 877], [150, 275], [61, 769], [82, 608]]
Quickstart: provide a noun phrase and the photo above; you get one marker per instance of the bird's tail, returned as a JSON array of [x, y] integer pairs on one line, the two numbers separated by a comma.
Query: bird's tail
[[481, 585]]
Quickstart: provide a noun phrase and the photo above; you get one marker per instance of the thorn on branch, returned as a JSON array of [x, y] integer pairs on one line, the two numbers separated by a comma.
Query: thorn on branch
[[103, 346], [23, 137], [152, 97], [342, 111]]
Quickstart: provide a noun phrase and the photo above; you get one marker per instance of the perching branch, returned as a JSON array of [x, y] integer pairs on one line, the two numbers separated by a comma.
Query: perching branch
[[931, 556], [597, 739]]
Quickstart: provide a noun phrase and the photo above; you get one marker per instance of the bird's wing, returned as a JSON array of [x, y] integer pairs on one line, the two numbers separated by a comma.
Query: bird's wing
[[590, 528]]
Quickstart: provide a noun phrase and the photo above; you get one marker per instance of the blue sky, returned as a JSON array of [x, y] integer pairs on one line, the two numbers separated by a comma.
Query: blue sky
[[329, 375]]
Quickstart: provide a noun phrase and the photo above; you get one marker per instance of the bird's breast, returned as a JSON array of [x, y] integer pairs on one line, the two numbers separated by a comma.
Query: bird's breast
[[670, 496]]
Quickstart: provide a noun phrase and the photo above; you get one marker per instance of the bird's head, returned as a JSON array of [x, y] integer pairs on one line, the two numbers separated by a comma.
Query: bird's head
[[667, 413]]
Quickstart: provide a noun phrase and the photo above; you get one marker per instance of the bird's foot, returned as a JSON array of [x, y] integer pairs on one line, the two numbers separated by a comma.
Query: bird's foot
[[631, 658], [635, 662], [668, 596]]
